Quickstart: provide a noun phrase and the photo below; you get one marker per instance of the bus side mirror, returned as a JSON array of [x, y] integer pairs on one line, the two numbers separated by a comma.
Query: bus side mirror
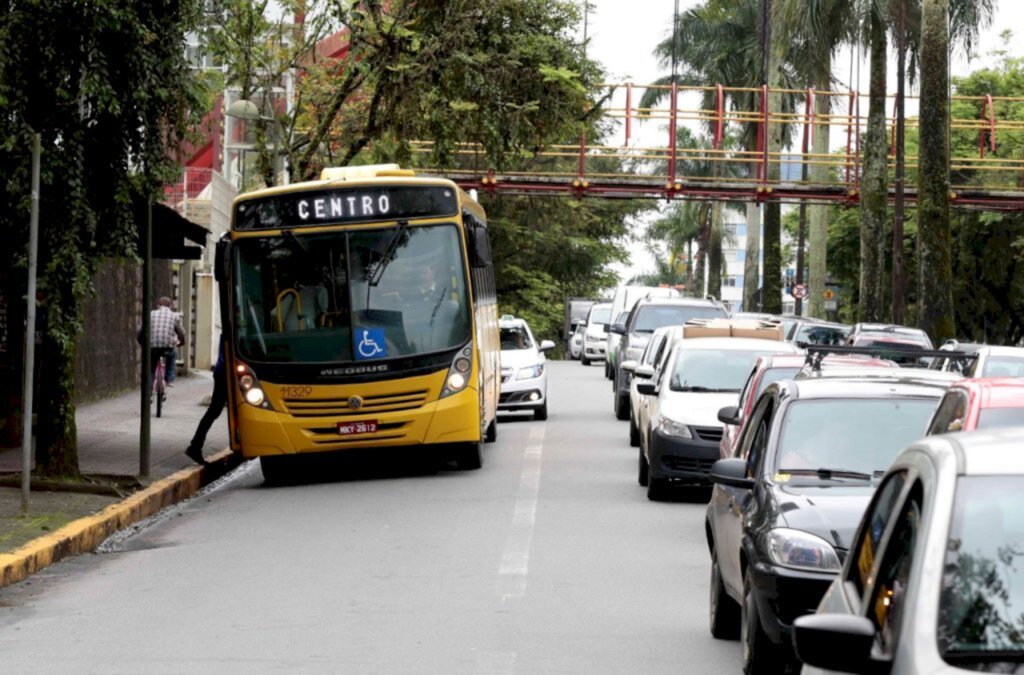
[[222, 259], [481, 247]]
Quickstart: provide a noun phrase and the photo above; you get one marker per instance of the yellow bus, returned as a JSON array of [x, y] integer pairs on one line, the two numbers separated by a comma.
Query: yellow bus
[[359, 311]]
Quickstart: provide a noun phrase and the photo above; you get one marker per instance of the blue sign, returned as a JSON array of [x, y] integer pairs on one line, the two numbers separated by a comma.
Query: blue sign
[[370, 344]]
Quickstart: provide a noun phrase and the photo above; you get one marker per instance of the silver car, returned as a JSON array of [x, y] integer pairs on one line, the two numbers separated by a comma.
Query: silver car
[[934, 581]]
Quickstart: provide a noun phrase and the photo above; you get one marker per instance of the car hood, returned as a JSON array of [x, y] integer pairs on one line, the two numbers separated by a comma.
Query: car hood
[[696, 408], [518, 358], [832, 513]]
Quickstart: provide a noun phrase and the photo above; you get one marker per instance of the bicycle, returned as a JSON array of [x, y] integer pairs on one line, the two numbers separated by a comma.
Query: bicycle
[[159, 382]]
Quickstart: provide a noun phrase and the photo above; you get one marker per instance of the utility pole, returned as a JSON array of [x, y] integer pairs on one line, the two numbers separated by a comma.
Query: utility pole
[[30, 329], [147, 378]]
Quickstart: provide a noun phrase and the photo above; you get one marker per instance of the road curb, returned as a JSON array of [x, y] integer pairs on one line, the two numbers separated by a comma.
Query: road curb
[[86, 534]]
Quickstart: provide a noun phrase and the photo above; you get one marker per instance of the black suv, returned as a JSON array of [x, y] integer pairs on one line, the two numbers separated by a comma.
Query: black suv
[[647, 316], [784, 509]]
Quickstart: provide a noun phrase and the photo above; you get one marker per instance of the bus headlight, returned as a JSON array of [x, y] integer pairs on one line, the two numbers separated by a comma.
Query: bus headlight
[[458, 373], [252, 392]]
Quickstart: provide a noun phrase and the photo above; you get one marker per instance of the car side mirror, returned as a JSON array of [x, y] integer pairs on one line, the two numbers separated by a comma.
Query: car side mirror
[[646, 389], [617, 328], [644, 372], [628, 366], [731, 472], [546, 345], [729, 415], [835, 642]]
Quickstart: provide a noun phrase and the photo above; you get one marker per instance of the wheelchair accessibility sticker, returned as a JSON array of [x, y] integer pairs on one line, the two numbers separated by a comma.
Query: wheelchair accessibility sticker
[[370, 344]]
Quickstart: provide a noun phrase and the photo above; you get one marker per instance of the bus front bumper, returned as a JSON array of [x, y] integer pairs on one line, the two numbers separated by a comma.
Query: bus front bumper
[[454, 419]]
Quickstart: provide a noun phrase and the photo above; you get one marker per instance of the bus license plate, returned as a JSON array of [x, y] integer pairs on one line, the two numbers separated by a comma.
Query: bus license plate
[[354, 428]]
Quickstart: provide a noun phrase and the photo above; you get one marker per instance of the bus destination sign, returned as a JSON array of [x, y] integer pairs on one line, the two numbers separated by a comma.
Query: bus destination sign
[[345, 205]]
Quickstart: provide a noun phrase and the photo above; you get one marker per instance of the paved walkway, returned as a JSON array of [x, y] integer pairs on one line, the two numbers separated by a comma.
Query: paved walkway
[[108, 432]]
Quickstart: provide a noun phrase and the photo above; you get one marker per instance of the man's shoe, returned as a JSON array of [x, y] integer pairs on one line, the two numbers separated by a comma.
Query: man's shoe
[[196, 455]]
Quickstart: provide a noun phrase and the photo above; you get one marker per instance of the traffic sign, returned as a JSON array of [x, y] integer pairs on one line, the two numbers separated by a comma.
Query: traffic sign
[[828, 294], [799, 291]]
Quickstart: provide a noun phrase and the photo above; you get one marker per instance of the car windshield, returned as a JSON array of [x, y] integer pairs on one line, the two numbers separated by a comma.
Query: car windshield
[[992, 418], [862, 435], [1003, 366], [713, 369], [515, 337], [398, 291], [600, 315], [981, 607], [650, 318], [821, 335]]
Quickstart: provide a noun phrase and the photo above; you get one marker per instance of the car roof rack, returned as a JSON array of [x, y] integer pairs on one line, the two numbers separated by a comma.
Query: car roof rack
[[817, 353]]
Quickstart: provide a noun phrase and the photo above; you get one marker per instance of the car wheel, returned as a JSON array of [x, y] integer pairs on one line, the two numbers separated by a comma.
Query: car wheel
[[760, 656], [641, 476], [491, 434], [608, 370], [621, 406], [634, 433], [655, 487], [723, 612], [541, 413], [584, 360], [468, 457]]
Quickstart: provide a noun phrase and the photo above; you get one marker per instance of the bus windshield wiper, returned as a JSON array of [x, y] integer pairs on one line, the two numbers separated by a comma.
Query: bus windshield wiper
[[828, 474], [375, 275]]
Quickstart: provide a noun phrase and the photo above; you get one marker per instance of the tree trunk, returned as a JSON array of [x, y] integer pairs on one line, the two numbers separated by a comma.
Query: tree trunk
[[56, 433], [874, 181], [817, 239], [935, 273], [715, 253], [751, 261], [771, 295], [703, 244]]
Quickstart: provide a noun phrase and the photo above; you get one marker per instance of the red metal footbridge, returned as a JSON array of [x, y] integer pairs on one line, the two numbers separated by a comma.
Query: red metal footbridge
[[648, 156]]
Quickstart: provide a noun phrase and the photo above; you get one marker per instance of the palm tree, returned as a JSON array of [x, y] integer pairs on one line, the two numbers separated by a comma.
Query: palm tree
[[717, 42], [678, 229], [820, 28]]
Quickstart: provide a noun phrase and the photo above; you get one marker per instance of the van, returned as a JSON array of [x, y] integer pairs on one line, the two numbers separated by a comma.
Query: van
[[625, 298]]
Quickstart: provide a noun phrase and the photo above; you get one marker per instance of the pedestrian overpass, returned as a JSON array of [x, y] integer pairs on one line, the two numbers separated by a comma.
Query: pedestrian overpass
[[647, 156]]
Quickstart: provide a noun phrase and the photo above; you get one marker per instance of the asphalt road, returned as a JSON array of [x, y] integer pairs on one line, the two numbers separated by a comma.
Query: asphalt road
[[549, 559]]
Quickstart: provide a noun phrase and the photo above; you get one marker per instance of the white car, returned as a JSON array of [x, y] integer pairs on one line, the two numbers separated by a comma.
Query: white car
[[595, 333], [701, 376], [933, 581], [990, 361], [524, 373], [576, 341]]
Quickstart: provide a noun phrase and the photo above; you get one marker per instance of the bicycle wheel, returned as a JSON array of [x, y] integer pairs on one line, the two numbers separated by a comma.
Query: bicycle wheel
[[161, 385]]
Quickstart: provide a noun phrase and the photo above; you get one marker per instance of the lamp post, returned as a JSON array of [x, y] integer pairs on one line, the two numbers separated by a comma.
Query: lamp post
[[248, 111]]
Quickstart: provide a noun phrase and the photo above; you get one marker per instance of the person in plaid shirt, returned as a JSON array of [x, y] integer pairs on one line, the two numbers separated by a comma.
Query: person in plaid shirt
[[165, 335]]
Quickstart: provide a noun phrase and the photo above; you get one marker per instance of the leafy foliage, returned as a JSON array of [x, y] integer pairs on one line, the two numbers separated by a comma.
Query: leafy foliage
[[106, 86]]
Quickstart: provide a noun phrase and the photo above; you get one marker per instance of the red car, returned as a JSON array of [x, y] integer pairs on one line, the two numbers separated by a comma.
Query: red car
[[981, 403], [775, 368]]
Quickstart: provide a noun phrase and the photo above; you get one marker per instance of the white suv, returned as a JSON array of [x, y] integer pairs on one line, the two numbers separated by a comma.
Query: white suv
[[524, 373]]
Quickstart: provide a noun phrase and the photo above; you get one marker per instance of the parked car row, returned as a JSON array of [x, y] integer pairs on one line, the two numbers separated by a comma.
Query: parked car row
[[851, 525]]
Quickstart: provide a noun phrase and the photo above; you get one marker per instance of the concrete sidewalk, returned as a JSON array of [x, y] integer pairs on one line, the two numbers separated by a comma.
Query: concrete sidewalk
[[108, 443], [108, 431]]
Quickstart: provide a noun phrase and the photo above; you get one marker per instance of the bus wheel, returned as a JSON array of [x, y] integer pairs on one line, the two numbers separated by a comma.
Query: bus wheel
[[467, 457], [277, 469], [491, 434]]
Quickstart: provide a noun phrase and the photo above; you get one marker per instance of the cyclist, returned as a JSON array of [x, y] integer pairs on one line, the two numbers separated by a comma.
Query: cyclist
[[165, 334]]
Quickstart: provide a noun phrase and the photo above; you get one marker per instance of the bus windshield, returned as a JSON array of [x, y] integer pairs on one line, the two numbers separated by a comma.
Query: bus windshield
[[351, 296]]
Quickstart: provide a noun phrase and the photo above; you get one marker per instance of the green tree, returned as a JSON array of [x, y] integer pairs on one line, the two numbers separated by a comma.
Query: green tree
[[106, 85]]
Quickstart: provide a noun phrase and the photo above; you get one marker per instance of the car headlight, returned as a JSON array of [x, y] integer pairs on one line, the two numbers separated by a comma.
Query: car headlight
[[595, 338], [801, 550], [530, 372], [670, 427]]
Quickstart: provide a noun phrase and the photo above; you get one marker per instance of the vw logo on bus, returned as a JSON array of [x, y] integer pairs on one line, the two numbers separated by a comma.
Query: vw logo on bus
[[355, 402]]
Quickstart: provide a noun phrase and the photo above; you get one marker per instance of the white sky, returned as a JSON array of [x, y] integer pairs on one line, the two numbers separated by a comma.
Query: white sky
[[623, 35]]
